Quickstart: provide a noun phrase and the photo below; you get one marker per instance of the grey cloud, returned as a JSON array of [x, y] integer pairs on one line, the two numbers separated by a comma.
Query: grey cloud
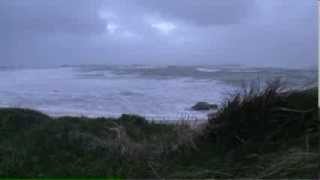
[[254, 32]]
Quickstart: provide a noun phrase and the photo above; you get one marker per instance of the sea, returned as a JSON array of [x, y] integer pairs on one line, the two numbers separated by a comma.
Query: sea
[[155, 92]]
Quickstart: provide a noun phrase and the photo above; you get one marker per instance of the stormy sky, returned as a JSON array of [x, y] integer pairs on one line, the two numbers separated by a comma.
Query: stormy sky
[[180, 32]]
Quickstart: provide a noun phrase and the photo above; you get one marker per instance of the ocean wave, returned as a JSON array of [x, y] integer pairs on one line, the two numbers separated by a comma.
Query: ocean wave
[[208, 70], [109, 91]]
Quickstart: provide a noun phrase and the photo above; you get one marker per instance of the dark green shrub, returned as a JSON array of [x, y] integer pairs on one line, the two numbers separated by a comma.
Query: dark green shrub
[[13, 120], [130, 119]]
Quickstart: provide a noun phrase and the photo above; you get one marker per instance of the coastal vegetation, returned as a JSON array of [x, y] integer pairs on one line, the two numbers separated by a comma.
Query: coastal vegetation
[[256, 133]]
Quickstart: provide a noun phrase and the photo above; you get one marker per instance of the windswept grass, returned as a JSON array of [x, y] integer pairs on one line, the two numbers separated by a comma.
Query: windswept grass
[[257, 133], [264, 116], [269, 132], [128, 146]]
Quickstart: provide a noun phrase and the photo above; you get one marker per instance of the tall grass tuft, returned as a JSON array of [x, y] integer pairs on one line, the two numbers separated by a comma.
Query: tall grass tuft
[[260, 115]]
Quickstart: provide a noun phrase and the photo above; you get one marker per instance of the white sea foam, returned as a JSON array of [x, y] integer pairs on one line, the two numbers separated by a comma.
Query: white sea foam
[[208, 70], [158, 94], [65, 91]]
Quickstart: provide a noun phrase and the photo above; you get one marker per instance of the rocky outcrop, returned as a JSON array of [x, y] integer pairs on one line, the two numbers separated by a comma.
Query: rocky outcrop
[[204, 106]]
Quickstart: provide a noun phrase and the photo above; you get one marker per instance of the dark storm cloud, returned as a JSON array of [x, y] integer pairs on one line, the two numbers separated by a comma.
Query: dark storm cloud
[[254, 32], [45, 31], [51, 16]]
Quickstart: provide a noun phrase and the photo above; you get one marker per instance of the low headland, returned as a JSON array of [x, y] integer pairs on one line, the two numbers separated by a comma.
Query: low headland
[[256, 133]]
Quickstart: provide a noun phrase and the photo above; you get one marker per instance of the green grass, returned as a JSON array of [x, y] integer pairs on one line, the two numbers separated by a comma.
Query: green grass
[[258, 134]]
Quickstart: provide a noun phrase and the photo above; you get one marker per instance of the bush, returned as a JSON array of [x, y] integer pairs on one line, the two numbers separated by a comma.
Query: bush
[[133, 120], [13, 120]]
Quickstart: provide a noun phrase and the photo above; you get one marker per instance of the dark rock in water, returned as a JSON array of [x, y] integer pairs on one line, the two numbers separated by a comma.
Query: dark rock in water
[[204, 106]]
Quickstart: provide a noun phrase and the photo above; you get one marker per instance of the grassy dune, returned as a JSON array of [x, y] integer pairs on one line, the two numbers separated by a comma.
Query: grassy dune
[[256, 134]]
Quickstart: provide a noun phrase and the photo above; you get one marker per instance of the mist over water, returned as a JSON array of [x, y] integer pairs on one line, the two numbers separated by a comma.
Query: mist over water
[[156, 92]]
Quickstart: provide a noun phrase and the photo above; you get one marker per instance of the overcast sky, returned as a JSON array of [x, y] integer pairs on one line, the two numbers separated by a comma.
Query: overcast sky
[[253, 32]]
